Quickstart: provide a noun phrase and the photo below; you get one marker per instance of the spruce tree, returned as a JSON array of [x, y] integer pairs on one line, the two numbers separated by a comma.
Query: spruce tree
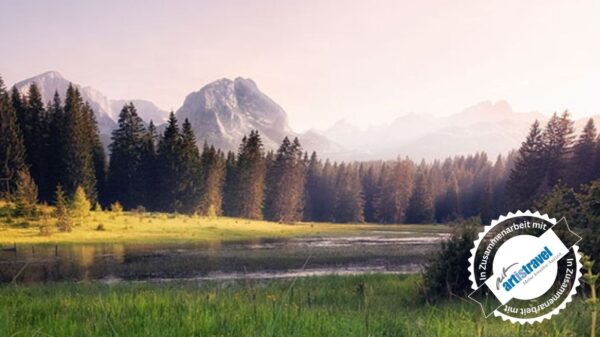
[[349, 200], [421, 204], [77, 157], [56, 142], [98, 154], [169, 161], [190, 174], [125, 183], [149, 167], [250, 177], [35, 125], [26, 196], [213, 177], [312, 188], [582, 168], [81, 205], [527, 175], [229, 186], [285, 184], [12, 148], [557, 138], [63, 218]]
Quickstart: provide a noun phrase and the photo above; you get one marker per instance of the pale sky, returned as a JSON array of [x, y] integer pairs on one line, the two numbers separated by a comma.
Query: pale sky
[[321, 60]]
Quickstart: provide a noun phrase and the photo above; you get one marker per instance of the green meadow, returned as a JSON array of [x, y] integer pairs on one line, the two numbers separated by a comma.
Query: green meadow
[[367, 305]]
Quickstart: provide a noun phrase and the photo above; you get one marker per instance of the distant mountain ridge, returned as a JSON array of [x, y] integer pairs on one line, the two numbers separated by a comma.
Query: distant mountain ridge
[[106, 110], [487, 126], [225, 110]]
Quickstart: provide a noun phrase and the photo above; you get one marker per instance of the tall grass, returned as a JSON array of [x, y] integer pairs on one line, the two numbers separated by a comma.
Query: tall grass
[[369, 305]]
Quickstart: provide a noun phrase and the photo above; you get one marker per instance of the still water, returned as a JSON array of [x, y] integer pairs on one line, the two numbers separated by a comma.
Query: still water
[[265, 258]]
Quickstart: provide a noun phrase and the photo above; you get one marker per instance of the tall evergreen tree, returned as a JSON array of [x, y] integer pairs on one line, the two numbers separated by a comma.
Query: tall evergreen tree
[[312, 188], [12, 148], [557, 138], [396, 188], [421, 204], [285, 184], [230, 206], [98, 153], [149, 167], [213, 177], [37, 142], [527, 175], [77, 155], [349, 200], [250, 177], [190, 173], [582, 168], [125, 182]]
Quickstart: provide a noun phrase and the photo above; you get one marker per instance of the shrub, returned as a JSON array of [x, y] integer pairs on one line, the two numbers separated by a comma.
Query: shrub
[[26, 195], [98, 207], [140, 209], [45, 230], [62, 212], [116, 207], [447, 273], [81, 204], [100, 228]]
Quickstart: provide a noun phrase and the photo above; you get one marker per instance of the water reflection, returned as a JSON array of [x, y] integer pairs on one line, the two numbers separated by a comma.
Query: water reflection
[[266, 258]]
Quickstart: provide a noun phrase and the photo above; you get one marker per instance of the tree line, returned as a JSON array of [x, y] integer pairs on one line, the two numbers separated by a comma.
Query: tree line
[[58, 146]]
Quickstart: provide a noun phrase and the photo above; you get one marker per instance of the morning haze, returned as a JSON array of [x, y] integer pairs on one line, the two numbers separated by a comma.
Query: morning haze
[[320, 60]]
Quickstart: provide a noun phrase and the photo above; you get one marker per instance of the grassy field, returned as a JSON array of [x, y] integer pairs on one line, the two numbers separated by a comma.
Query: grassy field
[[369, 305], [132, 227]]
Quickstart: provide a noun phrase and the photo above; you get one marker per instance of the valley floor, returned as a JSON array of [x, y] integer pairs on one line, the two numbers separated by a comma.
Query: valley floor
[[154, 228], [367, 305]]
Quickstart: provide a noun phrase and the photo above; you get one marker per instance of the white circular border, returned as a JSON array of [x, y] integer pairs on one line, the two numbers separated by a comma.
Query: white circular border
[[556, 310]]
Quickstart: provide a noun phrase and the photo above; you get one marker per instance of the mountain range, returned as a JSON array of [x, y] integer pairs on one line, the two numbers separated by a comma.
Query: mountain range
[[223, 111]]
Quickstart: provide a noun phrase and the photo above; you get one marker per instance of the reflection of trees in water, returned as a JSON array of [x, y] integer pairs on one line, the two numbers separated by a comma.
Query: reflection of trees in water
[[139, 262]]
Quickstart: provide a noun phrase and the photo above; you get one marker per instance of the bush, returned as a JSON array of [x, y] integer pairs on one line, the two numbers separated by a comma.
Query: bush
[[100, 228], [447, 273], [116, 207], [62, 212], [26, 195], [45, 230], [98, 207]]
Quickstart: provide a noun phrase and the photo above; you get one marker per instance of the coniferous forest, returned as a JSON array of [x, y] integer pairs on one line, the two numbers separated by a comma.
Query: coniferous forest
[[56, 146]]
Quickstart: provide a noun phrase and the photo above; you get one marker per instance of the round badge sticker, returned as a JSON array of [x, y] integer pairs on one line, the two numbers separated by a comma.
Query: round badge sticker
[[525, 267]]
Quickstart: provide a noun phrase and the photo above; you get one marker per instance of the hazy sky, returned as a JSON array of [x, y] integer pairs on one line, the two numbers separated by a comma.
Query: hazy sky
[[366, 61]]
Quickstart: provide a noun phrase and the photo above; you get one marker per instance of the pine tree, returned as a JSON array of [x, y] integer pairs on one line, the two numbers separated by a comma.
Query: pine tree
[[12, 148], [98, 154], [190, 173], [56, 142], [77, 158], [285, 184], [250, 177], [421, 204], [349, 200], [169, 157], [36, 140], [396, 188], [62, 210], [526, 177], [557, 138], [582, 165], [229, 187], [370, 188], [125, 182], [26, 196], [312, 188], [81, 205], [213, 177], [149, 167]]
